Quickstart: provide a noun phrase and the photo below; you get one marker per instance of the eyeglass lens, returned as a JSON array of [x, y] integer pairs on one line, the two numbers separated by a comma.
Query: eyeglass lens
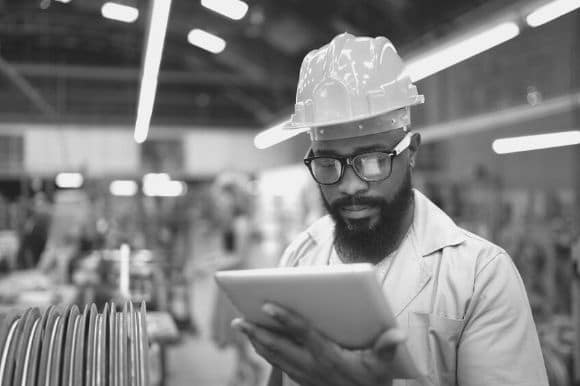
[[326, 170], [370, 167]]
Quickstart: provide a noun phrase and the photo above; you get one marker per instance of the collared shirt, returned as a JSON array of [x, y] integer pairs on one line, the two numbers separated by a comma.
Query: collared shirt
[[458, 296]]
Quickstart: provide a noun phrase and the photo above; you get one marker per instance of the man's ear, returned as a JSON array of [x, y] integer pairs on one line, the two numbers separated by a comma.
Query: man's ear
[[414, 148]]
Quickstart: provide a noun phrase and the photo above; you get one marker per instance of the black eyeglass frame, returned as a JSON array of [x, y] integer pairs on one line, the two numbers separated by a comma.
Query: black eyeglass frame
[[349, 161]]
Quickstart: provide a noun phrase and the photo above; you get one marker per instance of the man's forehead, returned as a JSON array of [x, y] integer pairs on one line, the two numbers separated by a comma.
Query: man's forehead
[[387, 139]]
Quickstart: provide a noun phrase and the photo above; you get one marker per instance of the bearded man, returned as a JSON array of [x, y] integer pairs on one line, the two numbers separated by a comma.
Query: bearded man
[[459, 301]]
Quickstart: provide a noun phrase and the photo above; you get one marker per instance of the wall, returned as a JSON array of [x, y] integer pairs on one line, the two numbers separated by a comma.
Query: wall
[[95, 152], [111, 151], [538, 169], [210, 152], [540, 63]]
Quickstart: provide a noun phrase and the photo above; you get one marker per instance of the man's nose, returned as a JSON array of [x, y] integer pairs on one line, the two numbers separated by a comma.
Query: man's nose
[[351, 183]]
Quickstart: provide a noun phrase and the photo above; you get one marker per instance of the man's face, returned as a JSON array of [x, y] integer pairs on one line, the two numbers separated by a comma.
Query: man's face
[[368, 215]]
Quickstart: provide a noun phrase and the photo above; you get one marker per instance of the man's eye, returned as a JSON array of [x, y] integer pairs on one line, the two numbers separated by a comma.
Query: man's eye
[[326, 162], [371, 165]]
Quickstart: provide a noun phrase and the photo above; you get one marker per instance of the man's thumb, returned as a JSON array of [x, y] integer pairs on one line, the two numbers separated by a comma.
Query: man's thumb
[[388, 341]]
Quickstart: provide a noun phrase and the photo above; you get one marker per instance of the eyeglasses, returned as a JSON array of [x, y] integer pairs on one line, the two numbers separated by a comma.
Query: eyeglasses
[[370, 167]]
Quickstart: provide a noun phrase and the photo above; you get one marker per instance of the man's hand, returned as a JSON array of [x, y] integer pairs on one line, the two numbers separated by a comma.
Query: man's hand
[[311, 359]]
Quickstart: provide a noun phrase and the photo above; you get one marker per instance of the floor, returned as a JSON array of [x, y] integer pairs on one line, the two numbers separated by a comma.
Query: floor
[[195, 361]]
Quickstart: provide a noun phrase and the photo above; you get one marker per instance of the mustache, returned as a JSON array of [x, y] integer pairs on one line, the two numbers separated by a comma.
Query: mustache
[[357, 200]]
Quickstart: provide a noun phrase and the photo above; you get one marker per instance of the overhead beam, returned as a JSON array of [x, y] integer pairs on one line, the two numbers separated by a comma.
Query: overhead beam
[[27, 89], [498, 119], [126, 74], [243, 65], [252, 105]]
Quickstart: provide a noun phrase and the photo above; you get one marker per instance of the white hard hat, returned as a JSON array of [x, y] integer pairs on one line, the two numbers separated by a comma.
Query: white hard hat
[[351, 79]]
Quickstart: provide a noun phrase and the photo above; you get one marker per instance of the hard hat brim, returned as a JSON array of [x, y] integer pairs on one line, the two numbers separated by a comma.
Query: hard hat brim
[[281, 133], [419, 99]]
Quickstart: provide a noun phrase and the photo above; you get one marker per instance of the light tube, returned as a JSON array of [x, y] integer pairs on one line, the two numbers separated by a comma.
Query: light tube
[[153, 54], [124, 270], [119, 12], [161, 185], [170, 188], [454, 53], [206, 41], [275, 135], [551, 11], [536, 142], [234, 9], [69, 180], [155, 178], [123, 188]]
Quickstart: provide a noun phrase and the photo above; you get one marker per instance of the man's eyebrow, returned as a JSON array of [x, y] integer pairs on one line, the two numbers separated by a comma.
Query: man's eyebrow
[[358, 150]]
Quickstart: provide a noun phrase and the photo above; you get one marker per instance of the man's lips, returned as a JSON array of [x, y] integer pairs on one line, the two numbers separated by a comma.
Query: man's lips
[[358, 211], [355, 208]]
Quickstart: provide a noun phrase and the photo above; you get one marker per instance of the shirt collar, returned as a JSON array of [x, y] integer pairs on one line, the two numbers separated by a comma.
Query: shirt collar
[[433, 228]]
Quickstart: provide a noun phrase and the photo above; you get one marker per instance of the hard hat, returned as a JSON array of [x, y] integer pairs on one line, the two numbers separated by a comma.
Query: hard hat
[[351, 79]]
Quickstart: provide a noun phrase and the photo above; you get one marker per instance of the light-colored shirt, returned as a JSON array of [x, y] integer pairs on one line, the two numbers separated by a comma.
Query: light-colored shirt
[[459, 297]]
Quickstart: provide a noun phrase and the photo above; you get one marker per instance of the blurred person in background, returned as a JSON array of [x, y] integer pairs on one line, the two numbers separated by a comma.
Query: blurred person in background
[[35, 232], [232, 211], [59, 256], [458, 299]]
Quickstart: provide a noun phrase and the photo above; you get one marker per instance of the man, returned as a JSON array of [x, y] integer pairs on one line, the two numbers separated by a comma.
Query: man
[[460, 304]]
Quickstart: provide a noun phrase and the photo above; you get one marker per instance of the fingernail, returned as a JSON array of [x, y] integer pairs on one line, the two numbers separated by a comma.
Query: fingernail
[[271, 310], [241, 325]]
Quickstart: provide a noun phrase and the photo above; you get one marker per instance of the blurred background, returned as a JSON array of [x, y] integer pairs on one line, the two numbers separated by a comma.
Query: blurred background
[[116, 186]]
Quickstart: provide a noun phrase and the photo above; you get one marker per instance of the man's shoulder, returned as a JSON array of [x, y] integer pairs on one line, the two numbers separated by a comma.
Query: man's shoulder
[[436, 231], [308, 243], [478, 250], [478, 241]]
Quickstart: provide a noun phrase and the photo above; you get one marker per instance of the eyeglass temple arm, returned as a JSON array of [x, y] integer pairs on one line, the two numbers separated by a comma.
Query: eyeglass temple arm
[[404, 144]]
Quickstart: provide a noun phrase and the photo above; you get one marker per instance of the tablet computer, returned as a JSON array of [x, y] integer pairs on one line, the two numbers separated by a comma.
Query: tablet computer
[[344, 302]]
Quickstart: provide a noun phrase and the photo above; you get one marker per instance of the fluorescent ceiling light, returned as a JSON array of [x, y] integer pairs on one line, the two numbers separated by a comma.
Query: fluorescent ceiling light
[[69, 180], [160, 185], [63, 1], [234, 9], [125, 188], [551, 11], [119, 12], [167, 189], [152, 178], [207, 41], [536, 142], [275, 135], [447, 56], [153, 54]]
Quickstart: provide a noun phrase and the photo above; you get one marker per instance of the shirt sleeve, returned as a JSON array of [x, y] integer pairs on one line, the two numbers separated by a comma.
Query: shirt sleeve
[[499, 344]]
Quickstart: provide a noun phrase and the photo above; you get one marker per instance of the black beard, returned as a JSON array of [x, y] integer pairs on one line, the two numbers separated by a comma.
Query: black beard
[[360, 240]]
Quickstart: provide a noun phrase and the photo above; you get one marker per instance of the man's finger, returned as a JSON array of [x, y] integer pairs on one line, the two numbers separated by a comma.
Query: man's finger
[[274, 358], [276, 344], [291, 320], [325, 351], [388, 342]]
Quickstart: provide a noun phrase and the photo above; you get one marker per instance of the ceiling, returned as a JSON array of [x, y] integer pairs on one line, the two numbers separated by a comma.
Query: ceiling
[[63, 62]]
